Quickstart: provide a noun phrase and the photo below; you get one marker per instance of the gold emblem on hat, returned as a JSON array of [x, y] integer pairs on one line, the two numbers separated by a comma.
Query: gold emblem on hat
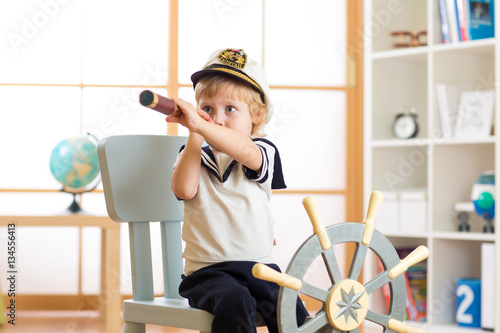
[[234, 58]]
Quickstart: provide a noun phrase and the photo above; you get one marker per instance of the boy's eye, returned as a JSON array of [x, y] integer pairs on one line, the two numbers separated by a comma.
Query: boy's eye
[[207, 109], [230, 108]]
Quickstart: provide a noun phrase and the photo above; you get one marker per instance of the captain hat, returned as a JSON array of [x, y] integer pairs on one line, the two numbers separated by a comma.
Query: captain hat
[[236, 63]]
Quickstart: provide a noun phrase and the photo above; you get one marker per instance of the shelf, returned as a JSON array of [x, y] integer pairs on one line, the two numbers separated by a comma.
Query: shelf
[[441, 235], [399, 143], [424, 142], [466, 236], [453, 328], [369, 327], [477, 47], [405, 235], [444, 142], [410, 53], [480, 46], [446, 168]]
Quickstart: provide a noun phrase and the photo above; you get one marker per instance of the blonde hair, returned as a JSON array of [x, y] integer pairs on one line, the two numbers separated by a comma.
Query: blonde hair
[[210, 84]]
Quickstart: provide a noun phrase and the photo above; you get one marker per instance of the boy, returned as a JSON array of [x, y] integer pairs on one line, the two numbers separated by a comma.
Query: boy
[[226, 188]]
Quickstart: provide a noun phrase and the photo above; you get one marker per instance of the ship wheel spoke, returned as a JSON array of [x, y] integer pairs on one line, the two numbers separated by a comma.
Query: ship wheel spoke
[[314, 292], [315, 323], [378, 282], [332, 265], [377, 318], [357, 261]]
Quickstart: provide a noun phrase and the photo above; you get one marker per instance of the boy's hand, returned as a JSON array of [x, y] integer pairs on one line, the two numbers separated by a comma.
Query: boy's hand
[[190, 116]]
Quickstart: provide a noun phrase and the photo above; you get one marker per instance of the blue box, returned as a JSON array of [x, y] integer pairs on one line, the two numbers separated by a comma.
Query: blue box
[[468, 311]]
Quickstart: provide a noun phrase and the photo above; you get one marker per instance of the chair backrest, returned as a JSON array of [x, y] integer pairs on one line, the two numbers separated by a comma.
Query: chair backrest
[[136, 174]]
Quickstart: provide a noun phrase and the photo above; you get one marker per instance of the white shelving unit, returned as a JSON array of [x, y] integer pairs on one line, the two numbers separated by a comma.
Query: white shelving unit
[[446, 168]]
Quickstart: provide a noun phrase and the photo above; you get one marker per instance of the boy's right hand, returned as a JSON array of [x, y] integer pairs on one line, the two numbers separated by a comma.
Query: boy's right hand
[[190, 116]]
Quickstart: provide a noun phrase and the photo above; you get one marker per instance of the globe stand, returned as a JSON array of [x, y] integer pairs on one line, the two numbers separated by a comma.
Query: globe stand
[[74, 207]]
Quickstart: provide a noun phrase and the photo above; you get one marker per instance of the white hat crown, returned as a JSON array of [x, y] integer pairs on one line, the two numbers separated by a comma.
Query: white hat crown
[[235, 62]]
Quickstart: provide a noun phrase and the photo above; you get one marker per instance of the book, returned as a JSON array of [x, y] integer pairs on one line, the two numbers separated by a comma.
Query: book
[[452, 20], [417, 279], [418, 285], [488, 286], [463, 29], [475, 114], [448, 98], [385, 288], [412, 313], [481, 18], [445, 28], [411, 307]]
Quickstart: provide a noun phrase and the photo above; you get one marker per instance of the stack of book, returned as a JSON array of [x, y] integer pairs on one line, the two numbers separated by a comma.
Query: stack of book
[[416, 288], [463, 20]]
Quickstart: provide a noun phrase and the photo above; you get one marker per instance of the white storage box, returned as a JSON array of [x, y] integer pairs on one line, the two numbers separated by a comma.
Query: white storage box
[[387, 216], [413, 211]]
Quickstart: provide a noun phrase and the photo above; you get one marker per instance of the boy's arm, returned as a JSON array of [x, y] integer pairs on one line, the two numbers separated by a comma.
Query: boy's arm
[[186, 175], [231, 142]]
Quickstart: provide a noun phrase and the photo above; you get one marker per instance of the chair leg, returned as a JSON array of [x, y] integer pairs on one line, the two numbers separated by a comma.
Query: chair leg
[[131, 327]]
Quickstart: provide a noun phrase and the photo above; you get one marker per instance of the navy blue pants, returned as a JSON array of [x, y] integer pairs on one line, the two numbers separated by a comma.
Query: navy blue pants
[[235, 297]]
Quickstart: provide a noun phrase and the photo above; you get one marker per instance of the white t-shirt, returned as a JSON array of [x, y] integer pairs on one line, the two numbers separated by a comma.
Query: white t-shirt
[[229, 219]]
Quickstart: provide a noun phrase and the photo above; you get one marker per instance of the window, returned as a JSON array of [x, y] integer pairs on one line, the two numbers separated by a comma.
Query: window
[[72, 67]]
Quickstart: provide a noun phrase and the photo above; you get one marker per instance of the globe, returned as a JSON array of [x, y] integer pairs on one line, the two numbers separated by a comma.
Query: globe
[[74, 164]]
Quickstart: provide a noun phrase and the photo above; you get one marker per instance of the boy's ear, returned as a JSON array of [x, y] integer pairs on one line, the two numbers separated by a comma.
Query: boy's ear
[[257, 118]]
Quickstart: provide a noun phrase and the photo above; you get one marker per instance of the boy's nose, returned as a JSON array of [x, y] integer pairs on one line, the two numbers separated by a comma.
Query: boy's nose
[[218, 118]]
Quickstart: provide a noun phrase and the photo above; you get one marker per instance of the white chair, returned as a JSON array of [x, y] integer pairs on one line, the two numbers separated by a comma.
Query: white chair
[[136, 172]]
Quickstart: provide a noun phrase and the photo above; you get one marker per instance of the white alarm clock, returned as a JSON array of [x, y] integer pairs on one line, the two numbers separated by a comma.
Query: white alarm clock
[[405, 124]]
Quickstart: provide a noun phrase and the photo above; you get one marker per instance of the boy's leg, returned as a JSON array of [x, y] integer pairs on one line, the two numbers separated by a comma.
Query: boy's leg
[[212, 289], [266, 295]]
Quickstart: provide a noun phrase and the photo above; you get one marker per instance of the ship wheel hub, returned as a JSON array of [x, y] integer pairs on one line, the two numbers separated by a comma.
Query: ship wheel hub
[[347, 305]]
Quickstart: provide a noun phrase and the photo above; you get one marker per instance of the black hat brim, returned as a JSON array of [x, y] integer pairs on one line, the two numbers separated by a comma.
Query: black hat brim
[[221, 69]]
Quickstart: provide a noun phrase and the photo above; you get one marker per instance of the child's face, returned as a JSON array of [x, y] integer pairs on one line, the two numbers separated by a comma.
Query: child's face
[[227, 110]]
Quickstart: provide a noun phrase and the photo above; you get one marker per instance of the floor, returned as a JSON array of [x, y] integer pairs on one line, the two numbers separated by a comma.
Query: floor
[[71, 322]]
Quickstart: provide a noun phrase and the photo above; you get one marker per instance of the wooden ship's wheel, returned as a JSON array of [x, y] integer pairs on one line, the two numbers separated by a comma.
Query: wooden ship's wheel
[[345, 304]]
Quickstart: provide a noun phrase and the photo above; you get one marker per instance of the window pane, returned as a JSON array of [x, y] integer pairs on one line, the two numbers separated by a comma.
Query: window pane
[[308, 127], [216, 25], [116, 111], [305, 47], [60, 275], [94, 203], [186, 94], [124, 41], [41, 41], [293, 227], [91, 260], [33, 120]]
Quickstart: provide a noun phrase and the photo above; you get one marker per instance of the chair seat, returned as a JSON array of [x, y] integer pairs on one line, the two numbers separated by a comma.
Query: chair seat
[[172, 312]]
